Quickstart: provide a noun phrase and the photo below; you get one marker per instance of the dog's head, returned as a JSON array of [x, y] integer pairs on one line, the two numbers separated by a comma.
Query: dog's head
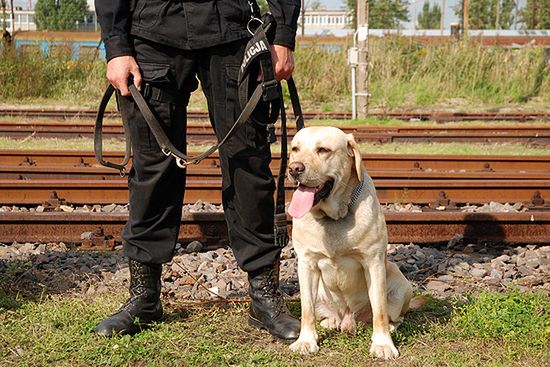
[[326, 165]]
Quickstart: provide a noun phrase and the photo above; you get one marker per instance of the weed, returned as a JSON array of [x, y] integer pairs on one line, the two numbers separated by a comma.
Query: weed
[[401, 74]]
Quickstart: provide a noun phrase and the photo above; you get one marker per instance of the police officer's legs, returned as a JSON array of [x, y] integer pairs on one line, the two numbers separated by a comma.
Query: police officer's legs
[[248, 188], [156, 185]]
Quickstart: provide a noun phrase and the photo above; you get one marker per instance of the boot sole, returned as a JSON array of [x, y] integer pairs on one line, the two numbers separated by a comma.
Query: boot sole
[[260, 325]]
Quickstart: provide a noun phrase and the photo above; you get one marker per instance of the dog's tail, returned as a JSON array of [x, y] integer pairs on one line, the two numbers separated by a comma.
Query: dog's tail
[[418, 302]]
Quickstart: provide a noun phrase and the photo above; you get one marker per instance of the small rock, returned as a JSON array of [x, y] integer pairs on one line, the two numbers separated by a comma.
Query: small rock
[[108, 208], [478, 272], [194, 246], [66, 208], [437, 286]]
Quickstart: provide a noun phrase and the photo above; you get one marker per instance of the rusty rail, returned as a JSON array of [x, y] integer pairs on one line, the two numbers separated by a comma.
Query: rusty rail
[[439, 116], [29, 178], [210, 228], [417, 191], [203, 133], [397, 162]]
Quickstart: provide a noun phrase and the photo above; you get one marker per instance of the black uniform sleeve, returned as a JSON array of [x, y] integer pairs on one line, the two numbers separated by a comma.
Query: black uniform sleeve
[[115, 18], [286, 13]]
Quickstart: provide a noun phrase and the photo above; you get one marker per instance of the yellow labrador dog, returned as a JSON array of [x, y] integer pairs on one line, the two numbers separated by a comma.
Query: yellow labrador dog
[[340, 238]]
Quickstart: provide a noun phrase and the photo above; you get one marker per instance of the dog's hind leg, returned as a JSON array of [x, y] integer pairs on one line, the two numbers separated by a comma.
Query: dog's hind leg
[[399, 295], [326, 310]]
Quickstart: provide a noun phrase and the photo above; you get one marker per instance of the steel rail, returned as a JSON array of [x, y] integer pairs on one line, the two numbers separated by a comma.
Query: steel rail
[[102, 173], [440, 116], [397, 162], [417, 191], [26, 172], [211, 229], [203, 133]]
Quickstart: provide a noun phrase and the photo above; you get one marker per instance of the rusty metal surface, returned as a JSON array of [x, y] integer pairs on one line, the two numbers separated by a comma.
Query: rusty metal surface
[[32, 172], [372, 161], [29, 177], [203, 133], [439, 116], [210, 228], [416, 191]]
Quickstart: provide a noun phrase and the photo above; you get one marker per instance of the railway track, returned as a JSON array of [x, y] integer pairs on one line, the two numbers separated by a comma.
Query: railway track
[[439, 116], [29, 178], [103, 229], [55, 178], [203, 133]]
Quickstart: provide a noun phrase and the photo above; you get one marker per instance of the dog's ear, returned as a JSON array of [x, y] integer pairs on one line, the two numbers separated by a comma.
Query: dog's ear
[[353, 151]]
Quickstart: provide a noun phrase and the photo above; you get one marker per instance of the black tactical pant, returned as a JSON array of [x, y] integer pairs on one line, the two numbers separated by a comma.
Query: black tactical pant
[[157, 184]]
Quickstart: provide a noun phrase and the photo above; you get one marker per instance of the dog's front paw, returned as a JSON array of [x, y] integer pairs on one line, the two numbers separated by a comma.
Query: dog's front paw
[[384, 350], [304, 346]]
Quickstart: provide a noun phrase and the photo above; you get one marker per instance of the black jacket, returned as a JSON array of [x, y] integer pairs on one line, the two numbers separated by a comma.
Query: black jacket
[[187, 24]]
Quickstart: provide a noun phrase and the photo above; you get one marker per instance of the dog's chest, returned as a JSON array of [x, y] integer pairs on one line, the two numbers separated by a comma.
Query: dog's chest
[[334, 238]]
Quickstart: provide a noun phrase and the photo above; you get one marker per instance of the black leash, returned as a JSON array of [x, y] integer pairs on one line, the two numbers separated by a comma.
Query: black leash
[[257, 59]]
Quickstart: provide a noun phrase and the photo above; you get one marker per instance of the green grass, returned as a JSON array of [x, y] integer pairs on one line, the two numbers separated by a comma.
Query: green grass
[[372, 148], [490, 330], [459, 76]]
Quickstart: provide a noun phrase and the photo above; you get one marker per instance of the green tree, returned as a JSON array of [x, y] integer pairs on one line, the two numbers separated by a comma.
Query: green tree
[[430, 17], [383, 14], [59, 14], [535, 14], [488, 14]]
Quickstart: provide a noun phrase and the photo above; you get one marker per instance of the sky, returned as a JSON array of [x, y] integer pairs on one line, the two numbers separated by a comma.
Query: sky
[[415, 7]]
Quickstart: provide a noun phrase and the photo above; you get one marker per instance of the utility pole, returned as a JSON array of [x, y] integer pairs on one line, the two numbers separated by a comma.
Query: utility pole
[[466, 17], [303, 16], [497, 25], [362, 81], [442, 20], [12, 18]]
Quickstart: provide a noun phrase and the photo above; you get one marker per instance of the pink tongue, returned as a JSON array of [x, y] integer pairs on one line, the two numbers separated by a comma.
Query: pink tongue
[[302, 201]]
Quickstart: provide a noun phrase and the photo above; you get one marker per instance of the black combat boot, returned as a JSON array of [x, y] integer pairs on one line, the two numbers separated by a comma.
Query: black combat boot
[[142, 308], [268, 309]]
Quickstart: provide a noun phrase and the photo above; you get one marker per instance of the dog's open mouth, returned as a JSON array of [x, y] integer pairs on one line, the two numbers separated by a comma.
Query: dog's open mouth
[[305, 198]]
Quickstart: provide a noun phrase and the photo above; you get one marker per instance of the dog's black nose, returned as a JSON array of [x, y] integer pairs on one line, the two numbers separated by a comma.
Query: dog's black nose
[[296, 168]]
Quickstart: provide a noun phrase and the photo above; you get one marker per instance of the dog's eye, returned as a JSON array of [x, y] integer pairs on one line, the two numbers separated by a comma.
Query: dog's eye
[[295, 149], [323, 150]]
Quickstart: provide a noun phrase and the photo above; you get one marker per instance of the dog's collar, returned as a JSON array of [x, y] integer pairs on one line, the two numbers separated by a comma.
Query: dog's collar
[[356, 193]]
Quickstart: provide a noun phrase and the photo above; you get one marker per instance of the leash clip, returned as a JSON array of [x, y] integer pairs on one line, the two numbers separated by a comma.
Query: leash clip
[[251, 21], [182, 163]]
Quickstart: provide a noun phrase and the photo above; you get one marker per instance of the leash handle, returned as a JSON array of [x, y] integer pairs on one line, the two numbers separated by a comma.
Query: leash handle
[[98, 138]]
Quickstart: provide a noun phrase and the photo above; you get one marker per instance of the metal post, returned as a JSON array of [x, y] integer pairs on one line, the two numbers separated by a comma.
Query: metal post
[[303, 17], [442, 20], [353, 93], [362, 33], [12, 19], [466, 18], [497, 21]]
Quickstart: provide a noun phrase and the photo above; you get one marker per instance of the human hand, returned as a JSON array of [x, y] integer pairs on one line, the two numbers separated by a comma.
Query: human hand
[[119, 69], [283, 62]]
